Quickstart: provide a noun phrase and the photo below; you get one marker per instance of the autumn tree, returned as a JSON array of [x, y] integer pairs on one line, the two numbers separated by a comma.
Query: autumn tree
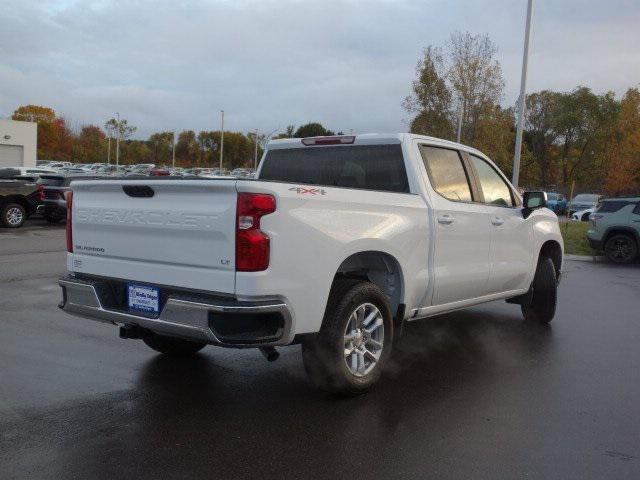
[[462, 80], [622, 153], [313, 129], [161, 146], [34, 113], [430, 100], [90, 145]]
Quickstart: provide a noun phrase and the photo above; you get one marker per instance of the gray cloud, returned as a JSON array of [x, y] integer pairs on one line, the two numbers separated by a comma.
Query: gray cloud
[[170, 65]]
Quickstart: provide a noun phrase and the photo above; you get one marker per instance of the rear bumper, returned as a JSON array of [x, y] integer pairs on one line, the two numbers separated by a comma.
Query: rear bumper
[[224, 322]]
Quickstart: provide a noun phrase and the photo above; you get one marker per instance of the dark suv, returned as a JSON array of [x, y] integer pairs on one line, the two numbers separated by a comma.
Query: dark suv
[[53, 195]]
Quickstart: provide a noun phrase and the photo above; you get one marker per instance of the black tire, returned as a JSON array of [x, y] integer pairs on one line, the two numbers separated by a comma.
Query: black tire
[[324, 354], [53, 218], [545, 293], [585, 217], [175, 347], [621, 248], [13, 215]]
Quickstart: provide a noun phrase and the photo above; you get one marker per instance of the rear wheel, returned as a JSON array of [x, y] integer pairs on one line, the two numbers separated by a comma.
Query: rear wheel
[[585, 217], [348, 354], [13, 215], [621, 248], [542, 307], [173, 346]]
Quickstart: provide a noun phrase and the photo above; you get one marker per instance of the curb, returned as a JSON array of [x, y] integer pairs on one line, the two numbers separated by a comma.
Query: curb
[[586, 258]]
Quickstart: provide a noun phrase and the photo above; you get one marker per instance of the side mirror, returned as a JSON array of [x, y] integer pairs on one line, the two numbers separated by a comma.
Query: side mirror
[[532, 201]]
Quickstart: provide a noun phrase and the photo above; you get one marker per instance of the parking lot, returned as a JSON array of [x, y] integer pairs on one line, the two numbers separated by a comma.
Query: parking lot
[[473, 394]]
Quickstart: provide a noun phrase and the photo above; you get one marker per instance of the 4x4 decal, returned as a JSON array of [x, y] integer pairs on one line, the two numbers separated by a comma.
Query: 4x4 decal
[[308, 191]]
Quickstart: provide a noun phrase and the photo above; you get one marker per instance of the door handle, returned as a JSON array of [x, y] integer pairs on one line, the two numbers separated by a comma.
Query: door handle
[[497, 221], [445, 220]]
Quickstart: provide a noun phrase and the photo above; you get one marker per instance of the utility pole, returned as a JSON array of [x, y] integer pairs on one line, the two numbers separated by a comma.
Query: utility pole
[[255, 155], [460, 114], [221, 138], [173, 150], [521, 98], [118, 139]]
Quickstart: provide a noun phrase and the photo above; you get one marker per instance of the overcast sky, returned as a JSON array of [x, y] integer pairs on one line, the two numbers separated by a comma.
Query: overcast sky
[[173, 65]]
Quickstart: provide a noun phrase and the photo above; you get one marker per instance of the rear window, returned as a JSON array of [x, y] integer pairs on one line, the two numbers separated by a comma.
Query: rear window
[[368, 167], [612, 206], [51, 181]]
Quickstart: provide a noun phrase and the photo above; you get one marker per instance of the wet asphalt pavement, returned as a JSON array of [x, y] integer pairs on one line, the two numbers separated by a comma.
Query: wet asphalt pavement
[[474, 394]]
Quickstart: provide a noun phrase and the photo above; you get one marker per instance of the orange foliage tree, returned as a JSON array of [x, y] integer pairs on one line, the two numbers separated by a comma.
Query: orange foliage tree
[[622, 155]]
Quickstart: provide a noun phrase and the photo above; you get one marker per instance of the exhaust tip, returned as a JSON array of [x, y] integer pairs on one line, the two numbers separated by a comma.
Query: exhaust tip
[[270, 353]]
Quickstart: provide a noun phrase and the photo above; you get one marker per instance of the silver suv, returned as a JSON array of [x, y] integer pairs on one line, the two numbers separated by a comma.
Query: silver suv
[[615, 228]]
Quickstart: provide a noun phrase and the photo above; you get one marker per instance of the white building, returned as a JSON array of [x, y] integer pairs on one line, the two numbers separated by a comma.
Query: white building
[[18, 143]]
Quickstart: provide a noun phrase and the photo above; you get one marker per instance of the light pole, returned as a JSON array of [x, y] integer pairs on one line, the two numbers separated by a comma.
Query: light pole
[[109, 151], [255, 155], [118, 139], [521, 98], [221, 137]]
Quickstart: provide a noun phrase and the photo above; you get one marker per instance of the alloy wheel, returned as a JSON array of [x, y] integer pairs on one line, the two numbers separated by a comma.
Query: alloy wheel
[[363, 339]]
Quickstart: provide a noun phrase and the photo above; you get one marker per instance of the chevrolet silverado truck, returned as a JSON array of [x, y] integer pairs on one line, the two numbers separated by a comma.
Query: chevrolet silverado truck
[[336, 244]]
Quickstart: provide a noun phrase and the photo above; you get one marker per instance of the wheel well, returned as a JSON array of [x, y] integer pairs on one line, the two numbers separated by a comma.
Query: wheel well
[[552, 250], [17, 199], [379, 268], [623, 231]]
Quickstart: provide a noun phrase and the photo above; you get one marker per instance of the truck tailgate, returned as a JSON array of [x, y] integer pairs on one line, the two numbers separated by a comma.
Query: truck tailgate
[[166, 232]]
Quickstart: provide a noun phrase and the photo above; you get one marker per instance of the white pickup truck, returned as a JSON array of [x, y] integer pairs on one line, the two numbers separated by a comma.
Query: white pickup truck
[[335, 245]]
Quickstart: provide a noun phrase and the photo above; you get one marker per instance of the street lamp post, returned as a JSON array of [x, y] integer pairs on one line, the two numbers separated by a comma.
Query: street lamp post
[[118, 139], [221, 137], [521, 98]]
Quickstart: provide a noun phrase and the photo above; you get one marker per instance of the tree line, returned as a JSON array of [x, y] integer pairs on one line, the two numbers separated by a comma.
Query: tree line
[[91, 144], [575, 136]]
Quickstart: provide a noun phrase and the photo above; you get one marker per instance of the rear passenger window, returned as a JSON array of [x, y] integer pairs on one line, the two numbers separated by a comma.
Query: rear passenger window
[[494, 189], [612, 206], [446, 173], [369, 167]]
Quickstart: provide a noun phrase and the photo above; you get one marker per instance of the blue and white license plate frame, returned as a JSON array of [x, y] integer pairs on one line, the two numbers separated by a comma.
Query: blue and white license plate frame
[[143, 298]]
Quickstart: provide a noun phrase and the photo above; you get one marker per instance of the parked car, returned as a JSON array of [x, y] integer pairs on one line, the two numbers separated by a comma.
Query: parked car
[[556, 202], [25, 172], [159, 172], [141, 169], [338, 243], [582, 215], [615, 229], [18, 198], [583, 201], [52, 192], [111, 170], [241, 172]]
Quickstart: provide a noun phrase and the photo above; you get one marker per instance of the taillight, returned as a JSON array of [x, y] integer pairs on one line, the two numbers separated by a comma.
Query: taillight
[[593, 217], [41, 192], [336, 140], [252, 244], [69, 218]]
